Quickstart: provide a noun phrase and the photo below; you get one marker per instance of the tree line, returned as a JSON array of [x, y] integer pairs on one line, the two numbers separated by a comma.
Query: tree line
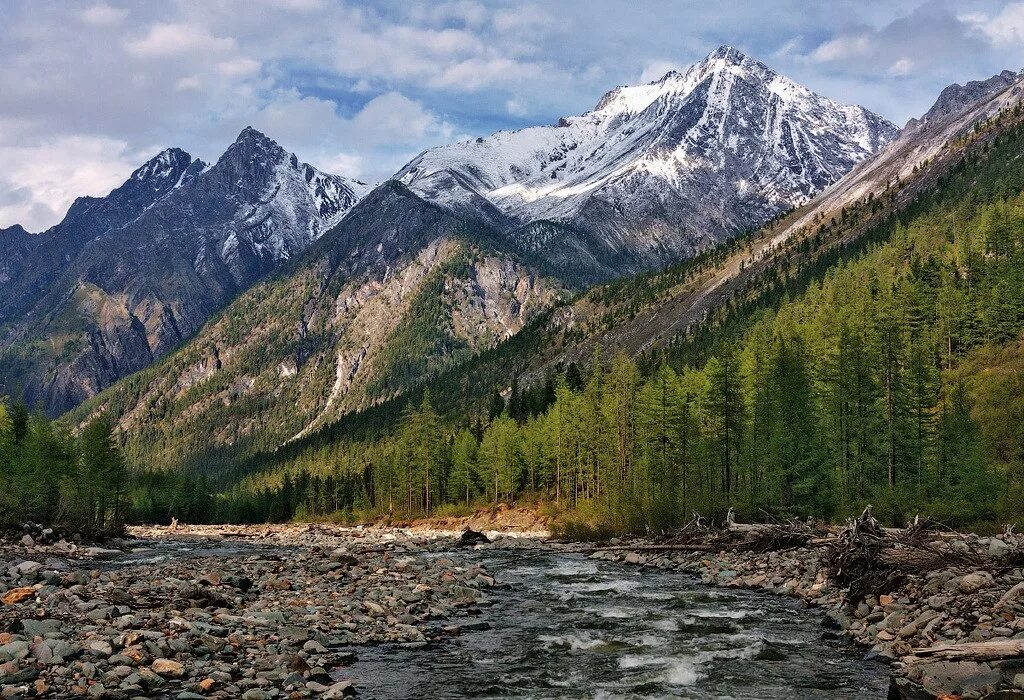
[[48, 475], [82, 483], [857, 390]]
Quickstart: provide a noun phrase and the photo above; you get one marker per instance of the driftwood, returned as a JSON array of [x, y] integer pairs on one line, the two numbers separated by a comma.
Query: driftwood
[[733, 536], [868, 559], [995, 650], [863, 558]]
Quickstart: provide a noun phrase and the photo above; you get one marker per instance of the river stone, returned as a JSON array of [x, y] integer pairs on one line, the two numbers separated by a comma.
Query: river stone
[[168, 668], [342, 689], [101, 648], [974, 582], [39, 628], [42, 652], [343, 556], [14, 650], [256, 694], [997, 548], [16, 595], [959, 677]]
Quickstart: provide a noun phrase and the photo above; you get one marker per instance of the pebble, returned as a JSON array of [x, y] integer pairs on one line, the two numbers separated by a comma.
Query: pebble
[[274, 616]]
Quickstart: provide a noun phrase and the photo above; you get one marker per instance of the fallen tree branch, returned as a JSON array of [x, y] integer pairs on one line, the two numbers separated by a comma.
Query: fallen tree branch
[[970, 651]]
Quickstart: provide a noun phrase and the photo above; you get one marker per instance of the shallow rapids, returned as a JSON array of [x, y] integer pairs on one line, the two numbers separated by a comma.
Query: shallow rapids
[[563, 626]]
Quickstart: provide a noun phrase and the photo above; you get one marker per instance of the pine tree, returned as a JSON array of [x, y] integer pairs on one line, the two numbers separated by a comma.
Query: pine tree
[[104, 474]]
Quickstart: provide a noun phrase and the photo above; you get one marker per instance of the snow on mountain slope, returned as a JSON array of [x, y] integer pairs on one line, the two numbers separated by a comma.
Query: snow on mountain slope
[[673, 166], [282, 205], [957, 110], [142, 269], [926, 150]]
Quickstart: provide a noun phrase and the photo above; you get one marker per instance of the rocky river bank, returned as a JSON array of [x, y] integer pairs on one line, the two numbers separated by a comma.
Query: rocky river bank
[[262, 612], [221, 612], [951, 622]]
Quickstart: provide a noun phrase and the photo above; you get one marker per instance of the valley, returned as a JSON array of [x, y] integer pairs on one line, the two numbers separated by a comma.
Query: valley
[[712, 389]]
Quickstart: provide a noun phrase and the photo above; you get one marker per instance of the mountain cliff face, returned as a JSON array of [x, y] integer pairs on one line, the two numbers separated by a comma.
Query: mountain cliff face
[[391, 295], [17, 244], [47, 255], [473, 241], [399, 291], [125, 278], [953, 116], [655, 172]]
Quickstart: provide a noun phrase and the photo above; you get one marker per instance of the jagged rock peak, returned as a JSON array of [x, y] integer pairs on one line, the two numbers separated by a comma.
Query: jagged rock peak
[[170, 162], [251, 142], [15, 230], [724, 58], [957, 97], [249, 135], [730, 57], [720, 147]]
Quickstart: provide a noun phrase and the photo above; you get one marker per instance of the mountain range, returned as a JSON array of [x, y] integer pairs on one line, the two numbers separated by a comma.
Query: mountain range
[[654, 174], [264, 301], [373, 331]]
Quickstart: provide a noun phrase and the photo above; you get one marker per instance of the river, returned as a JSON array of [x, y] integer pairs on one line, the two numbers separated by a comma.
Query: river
[[564, 626]]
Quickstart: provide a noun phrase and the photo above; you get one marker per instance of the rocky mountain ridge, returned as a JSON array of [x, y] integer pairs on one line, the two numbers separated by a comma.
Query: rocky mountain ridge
[[125, 278], [394, 293], [655, 172]]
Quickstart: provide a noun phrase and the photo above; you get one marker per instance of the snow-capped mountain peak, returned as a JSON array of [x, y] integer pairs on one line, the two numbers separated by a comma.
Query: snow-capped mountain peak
[[634, 99], [282, 204], [170, 162], [666, 168], [163, 251]]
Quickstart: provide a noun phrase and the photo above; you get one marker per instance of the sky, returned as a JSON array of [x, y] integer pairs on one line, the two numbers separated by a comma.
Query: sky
[[90, 90]]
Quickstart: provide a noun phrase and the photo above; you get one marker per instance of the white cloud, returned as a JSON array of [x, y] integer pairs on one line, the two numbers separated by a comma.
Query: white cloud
[[476, 73], [363, 84], [843, 48], [347, 164], [238, 67], [297, 5], [787, 50], [171, 39], [373, 144], [393, 117], [190, 82], [516, 108], [45, 178], [902, 67], [1006, 29], [466, 12], [103, 15], [523, 17], [656, 70]]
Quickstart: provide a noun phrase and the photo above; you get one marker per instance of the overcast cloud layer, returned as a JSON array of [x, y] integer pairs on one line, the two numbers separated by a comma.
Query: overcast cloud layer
[[89, 91]]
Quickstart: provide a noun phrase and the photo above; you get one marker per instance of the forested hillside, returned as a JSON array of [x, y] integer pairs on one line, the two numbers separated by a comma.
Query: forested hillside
[[392, 295], [883, 374]]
